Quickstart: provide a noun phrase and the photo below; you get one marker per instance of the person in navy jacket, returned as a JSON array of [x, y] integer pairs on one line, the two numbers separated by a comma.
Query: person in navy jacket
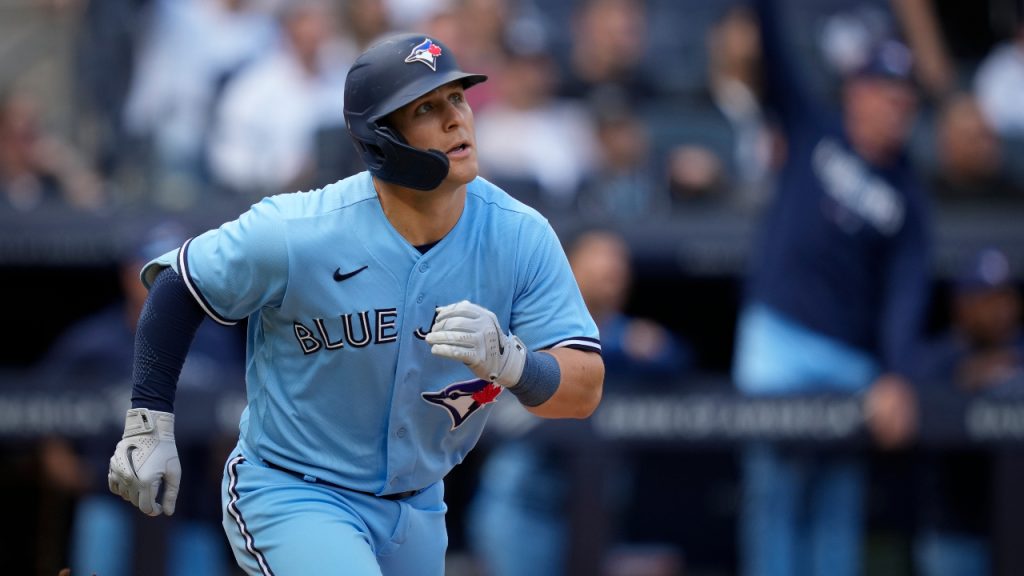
[[834, 301]]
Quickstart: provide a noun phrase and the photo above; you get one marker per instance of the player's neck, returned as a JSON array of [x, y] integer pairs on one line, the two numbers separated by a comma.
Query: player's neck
[[421, 217]]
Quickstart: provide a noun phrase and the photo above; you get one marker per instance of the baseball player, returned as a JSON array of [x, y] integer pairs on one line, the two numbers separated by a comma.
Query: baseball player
[[386, 312]]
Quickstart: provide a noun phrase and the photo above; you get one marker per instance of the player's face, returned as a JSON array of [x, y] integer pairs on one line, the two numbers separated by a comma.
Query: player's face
[[442, 120]]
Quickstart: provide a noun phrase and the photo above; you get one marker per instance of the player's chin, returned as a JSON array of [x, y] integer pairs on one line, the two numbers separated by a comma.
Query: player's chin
[[463, 171]]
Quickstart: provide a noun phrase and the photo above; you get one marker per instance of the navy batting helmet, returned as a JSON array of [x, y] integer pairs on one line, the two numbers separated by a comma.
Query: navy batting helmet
[[390, 74]]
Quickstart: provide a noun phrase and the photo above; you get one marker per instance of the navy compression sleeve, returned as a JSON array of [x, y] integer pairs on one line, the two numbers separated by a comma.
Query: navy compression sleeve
[[167, 325]]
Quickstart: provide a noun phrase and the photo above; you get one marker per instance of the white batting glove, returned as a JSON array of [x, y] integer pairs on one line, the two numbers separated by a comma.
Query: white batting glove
[[145, 458], [471, 334]]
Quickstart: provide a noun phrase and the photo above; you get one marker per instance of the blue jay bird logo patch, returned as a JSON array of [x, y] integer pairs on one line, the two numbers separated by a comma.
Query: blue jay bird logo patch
[[426, 52], [463, 399]]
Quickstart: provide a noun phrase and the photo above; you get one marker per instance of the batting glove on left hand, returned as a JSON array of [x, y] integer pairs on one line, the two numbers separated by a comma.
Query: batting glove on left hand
[[145, 458], [472, 335]]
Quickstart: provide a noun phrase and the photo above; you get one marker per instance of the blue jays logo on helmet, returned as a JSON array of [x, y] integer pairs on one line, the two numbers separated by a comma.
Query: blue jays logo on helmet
[[462, 399], [425, 52]]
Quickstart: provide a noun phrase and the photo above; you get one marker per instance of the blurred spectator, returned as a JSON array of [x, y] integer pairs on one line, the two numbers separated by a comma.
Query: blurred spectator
[[480, 31], [630, 346], [37, 168], [835, 300], [523, 487], [363, 21], [734, 83], [265, 126], [695, 173], [96, 352], [716, 145], [982, 352], [105, 54], [624, 186], [969, 163], [984, 347], [999, 83], [560, 152], [409, 14], [609, 40], [189, 49]]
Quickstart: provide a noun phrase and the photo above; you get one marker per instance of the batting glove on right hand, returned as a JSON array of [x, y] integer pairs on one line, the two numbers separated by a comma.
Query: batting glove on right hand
[[146, 458], [471, 334]]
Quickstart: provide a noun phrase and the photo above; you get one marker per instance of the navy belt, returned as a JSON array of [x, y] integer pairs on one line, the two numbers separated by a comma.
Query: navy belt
[[396, 496]]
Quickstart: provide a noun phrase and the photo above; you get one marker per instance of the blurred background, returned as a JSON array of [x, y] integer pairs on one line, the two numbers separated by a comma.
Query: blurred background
[[659, 137]]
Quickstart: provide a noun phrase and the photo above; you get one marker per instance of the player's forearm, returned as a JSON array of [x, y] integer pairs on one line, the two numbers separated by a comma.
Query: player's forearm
[[579, 390], [164, 334]]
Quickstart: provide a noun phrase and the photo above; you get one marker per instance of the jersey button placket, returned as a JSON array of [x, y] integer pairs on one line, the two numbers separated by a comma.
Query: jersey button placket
[[401, 432]]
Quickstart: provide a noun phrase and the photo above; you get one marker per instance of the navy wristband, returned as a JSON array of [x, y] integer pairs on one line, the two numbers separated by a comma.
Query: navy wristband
[[540, 379]]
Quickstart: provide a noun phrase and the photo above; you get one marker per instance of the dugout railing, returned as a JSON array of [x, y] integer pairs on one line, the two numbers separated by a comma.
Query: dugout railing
[[691, 416]]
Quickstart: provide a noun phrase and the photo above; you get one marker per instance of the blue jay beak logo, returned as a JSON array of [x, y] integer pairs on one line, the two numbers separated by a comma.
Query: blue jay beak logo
[[463, 399], [426, 52]]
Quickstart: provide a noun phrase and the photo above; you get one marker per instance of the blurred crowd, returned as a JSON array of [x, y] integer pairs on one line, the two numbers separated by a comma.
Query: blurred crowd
[[609, 113], [638, 109]]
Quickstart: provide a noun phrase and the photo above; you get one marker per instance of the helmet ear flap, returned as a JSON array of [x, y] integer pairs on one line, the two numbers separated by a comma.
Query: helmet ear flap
[[392, 134], [372, 154], [406, 165]]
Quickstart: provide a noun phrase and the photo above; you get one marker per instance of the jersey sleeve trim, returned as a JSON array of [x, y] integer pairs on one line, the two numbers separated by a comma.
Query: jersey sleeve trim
[[579, 343], [203, 303]]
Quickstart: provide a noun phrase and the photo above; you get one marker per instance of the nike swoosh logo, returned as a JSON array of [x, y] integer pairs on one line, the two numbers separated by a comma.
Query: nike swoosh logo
[[131, 462], [339, 277]]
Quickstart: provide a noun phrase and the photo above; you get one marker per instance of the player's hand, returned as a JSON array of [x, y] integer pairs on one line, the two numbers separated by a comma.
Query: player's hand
[[472, 335], [146, 460]]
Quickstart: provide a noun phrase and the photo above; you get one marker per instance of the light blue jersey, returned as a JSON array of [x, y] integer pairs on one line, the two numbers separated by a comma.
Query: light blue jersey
[[341, 384]]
